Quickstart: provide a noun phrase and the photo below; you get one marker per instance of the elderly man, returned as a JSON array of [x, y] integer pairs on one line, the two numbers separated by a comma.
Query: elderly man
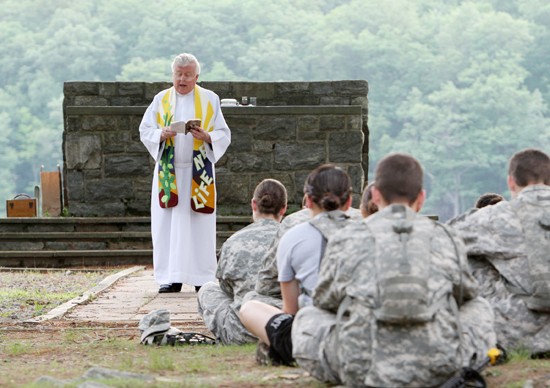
[[183, 220]]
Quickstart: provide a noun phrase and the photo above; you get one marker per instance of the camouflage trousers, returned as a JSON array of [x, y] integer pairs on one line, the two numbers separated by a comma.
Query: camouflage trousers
[[270, 300], [315, 339], [220, 314], [515, 324]]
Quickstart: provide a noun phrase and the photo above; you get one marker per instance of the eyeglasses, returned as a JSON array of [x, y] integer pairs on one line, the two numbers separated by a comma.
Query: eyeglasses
[[185, 76]]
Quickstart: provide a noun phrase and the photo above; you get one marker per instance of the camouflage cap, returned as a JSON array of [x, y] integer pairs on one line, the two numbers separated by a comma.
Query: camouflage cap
[[155, 322]]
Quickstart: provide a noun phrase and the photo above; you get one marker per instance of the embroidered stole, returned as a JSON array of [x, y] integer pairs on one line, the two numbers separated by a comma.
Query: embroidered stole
[[168, 190], [203, 195]]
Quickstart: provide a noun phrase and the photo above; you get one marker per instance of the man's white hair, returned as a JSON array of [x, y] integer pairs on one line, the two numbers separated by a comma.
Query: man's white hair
[[185, 59]]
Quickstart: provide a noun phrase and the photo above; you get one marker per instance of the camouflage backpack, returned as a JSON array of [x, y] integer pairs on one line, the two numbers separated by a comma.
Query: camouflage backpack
[[327, 226], [403, 268], [535, 221]]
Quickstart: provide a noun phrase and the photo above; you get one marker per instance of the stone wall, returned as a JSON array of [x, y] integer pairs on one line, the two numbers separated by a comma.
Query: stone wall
[[296, 127]]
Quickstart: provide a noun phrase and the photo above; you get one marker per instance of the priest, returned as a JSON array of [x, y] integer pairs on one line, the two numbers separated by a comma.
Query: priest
[[183, 198]]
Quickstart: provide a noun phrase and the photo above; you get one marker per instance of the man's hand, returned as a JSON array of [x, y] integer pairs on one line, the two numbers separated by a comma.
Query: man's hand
[[200, 134], [166, 133]]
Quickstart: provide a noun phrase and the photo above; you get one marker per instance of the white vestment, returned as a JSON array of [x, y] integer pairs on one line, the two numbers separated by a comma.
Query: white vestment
[[184, 241]]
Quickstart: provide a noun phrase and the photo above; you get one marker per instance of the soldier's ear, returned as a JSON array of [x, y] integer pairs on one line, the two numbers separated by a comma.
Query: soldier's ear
[[420, 200], [254, 205]]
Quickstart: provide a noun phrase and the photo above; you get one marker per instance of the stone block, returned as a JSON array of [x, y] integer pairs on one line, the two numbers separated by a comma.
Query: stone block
[[242, 162], [124, 137], [241, 139], [83, 152], [301, 100], [299, 156], [222, 162], [79, 88], [80, 245], [121, 166], [355, 122], [153, 88], [275, 128], [261, 90], [345, 147], [90, 101], [222, 89], [357, 177], [334, 100], [312, 135], [21, 245], [111, 190], [232, 120], [299, 181], [124, 123], [74, 124], [232, 189], [351, 87], [113, 149], [140, 207], [132, 89], [307, 123], [99, 123], [286, 179], [121, 101], [360, 100], [111, 209], [136, 148], [92, 175], [327, 123], [321, 88], [107, 89], [75, 185], [293, 87], [263, 146], [233, 210]]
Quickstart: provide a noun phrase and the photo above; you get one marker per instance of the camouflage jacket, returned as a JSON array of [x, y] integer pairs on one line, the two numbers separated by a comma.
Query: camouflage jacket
[[382, 354], [268, 283], [497, 251], [241, 255]]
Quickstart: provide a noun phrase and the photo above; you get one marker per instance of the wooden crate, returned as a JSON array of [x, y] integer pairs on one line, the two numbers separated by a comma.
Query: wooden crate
[[21, 207]]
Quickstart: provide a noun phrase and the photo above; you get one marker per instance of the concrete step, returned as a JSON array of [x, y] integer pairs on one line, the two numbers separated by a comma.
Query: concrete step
[[71, 258], [93, 241]]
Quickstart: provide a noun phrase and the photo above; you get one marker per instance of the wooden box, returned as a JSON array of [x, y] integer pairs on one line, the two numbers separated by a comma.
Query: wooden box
[[21, 206]]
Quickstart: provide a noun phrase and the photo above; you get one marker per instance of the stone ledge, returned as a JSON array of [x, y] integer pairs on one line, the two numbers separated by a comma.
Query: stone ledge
[[73, 253], [103, 220], [229, 110]]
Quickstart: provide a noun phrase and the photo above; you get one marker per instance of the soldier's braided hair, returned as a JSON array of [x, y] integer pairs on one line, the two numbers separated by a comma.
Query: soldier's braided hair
[[328, 186], [270, 196]]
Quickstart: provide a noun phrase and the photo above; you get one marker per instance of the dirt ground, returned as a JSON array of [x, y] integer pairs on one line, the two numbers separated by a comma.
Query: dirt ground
[[65, 350]]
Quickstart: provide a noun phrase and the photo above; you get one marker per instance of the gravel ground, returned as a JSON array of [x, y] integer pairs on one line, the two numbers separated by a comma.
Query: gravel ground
[[24, 295]]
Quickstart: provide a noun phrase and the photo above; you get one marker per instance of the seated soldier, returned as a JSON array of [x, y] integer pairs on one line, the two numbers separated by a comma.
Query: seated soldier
[[300, 251], [268, 288], [386, 303], [240, 260], [509, 251]]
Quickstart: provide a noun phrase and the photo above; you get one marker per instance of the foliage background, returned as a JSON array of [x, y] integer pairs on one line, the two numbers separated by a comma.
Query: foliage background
[[461, 85]]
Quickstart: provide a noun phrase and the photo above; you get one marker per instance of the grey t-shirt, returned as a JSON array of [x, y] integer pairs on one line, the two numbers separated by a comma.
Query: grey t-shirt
[[299, 254]]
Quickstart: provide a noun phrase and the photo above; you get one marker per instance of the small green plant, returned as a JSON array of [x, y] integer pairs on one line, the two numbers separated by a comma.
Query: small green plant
[[160, 361], [17, 348], [521, 353]]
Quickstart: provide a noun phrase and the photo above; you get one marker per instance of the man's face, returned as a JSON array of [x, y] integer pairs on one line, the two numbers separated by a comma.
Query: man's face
[[185, 78]]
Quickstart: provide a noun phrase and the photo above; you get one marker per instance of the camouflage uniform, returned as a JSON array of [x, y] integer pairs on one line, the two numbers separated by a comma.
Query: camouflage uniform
[[240, 260], [497, 246], [268, 288], [339, 339]]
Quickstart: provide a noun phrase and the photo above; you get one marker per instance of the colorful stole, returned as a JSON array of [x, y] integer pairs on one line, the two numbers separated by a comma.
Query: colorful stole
[[203, 195], [203, 191], [168, 191]]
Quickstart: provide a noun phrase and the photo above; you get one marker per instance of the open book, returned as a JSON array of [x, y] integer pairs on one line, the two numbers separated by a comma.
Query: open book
[[185, 127]]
